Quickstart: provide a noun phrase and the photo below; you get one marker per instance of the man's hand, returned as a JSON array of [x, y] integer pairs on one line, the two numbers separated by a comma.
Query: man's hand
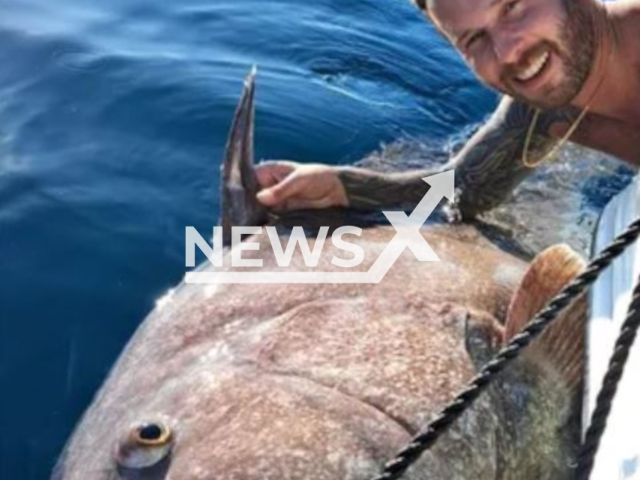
[[295, 186]]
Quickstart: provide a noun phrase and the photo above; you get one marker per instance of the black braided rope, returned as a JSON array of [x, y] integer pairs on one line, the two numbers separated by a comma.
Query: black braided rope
[[609, 387], [397, 466]]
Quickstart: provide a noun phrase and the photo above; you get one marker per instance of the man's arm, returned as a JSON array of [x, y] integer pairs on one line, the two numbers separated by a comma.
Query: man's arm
[[488, 168]]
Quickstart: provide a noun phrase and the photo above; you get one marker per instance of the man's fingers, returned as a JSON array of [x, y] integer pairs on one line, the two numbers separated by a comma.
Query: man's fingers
[[272, 172], [267, 197], [291, 186], [266, 177], [280, 192]]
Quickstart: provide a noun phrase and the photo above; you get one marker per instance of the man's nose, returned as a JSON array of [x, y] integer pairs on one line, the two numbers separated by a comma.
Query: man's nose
[[508, 47]]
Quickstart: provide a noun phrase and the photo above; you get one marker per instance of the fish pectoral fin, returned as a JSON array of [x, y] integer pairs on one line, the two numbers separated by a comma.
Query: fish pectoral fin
[[239, 184], [563, 342]]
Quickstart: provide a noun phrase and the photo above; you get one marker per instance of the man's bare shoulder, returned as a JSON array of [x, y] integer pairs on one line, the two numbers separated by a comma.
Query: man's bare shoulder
[[626, 17], [633, 22], [629, 9]]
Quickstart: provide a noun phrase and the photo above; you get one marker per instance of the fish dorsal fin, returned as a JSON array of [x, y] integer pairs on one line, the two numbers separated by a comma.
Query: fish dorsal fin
[[563, 342], [239, 184]]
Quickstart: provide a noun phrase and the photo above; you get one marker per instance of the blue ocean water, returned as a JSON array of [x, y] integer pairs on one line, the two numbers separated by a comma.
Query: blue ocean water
[[113, 118]]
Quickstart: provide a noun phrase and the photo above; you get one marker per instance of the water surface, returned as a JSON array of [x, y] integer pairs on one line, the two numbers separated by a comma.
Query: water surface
[[113, 117]]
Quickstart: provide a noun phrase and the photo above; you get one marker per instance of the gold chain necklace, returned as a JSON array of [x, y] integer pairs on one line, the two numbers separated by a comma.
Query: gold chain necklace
[[563, 140], [557, 146]]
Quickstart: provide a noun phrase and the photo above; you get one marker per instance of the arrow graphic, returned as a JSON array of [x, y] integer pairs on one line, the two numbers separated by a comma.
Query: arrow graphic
[[442, 185], [407, 236]]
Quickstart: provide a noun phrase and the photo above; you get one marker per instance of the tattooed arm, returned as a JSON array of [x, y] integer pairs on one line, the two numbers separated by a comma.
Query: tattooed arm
[[488, 168]]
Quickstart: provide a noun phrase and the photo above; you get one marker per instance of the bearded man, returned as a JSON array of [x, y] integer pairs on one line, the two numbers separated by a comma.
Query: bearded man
[[569, 70]]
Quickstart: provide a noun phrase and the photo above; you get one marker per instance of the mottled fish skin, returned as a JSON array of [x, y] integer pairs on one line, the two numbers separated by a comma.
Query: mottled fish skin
[[315, 382], [328, 381]]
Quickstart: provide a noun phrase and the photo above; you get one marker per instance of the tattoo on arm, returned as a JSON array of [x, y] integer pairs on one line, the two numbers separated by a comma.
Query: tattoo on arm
[[488, 168], [368, 189], [490, 165]]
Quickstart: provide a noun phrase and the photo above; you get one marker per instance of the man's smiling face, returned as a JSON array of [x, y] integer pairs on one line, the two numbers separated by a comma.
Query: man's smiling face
[[537, 51]]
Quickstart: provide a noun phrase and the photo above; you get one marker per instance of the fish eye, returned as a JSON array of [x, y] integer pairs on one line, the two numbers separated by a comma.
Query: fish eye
[[151, 434], [145, 445]]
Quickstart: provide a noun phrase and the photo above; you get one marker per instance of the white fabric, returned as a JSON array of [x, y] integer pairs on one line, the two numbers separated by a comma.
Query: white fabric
[[619, 454]]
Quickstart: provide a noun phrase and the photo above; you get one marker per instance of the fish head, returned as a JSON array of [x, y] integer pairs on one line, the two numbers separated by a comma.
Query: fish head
[[303, 382], [333, 389]]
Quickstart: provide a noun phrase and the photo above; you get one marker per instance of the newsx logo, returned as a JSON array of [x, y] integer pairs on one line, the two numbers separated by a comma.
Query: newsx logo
[[407, 236], [283, 257]]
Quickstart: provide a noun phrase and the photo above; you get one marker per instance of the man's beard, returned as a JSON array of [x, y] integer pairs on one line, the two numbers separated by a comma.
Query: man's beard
[[576, 52]]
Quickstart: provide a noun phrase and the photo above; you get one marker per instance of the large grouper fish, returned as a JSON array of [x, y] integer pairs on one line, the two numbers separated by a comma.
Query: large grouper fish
[[328, 381]]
